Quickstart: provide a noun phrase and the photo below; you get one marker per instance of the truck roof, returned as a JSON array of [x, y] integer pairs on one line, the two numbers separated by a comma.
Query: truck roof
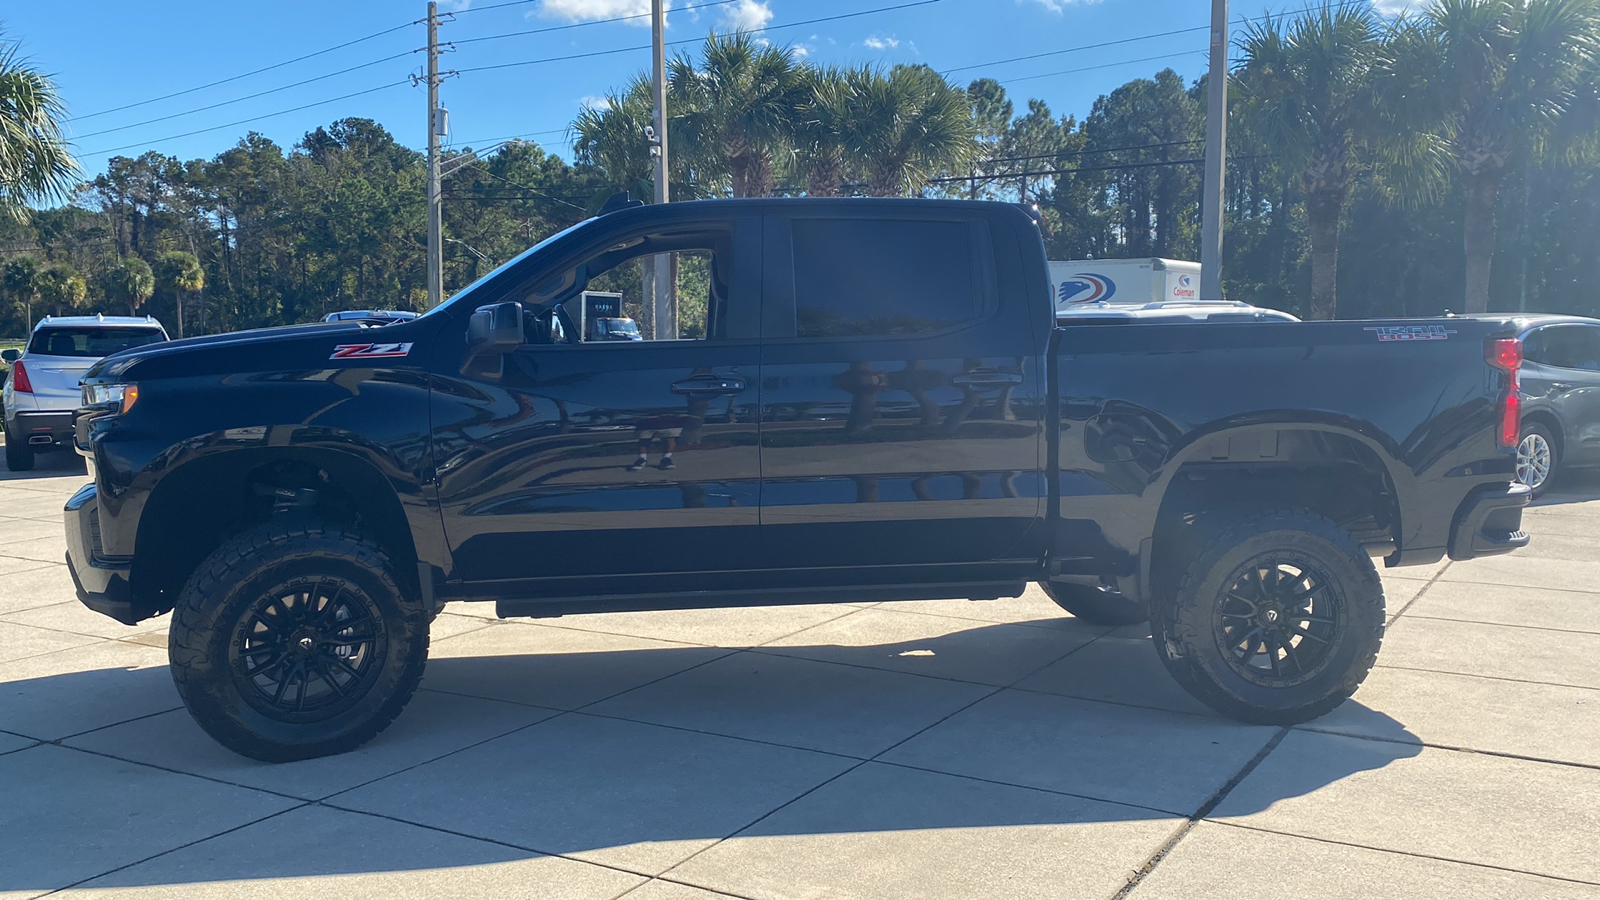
[[78, 321]]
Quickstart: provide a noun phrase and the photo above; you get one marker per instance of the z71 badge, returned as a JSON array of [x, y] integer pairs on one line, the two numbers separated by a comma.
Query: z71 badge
[[369, 351]]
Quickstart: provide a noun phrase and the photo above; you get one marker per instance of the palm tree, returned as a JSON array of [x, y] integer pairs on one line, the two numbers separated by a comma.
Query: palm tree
[[179, 272], [738, 107], [905, 127], [20, 279], [1306, 88], [1498, 75], [61, 287], [35, 165], [131, 283], [820, 130], [610, 136]]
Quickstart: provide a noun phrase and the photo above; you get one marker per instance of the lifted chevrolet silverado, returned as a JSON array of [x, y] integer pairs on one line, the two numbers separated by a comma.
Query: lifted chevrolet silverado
[[846, 400]]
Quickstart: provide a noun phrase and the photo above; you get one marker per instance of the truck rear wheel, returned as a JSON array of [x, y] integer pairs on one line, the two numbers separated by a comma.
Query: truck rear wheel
[[1095, 605], [295, 640], [1277, 621]]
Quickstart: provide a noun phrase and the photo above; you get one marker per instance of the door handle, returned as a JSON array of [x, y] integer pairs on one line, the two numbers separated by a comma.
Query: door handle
[[709, 384], [987, 378]]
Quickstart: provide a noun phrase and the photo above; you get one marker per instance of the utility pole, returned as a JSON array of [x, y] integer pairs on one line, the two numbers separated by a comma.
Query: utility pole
[[1216, 156], [435, 122], [664, 321]]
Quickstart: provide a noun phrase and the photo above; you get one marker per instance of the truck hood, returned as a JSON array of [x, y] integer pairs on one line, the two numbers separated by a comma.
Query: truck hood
[[246, 344]]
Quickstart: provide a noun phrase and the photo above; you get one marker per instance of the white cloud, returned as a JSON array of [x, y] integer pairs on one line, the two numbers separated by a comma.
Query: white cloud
[[589, 10], [801, 50], [881, 43], [1056, 6], [594, 102], [745, 15], [454, 5], [1395, 7]]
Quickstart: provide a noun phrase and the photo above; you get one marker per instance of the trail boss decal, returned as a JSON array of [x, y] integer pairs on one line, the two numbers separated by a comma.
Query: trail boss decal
[[369, 351], [1412, 332]]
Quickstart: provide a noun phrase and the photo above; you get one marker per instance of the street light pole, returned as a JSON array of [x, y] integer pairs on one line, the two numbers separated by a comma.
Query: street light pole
[[1216, 156], [435, 244], [664, 323]]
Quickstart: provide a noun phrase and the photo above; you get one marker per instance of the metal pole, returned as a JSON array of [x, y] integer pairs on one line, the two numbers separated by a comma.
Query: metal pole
[[664, 322], [1216, 156], [435, 242]]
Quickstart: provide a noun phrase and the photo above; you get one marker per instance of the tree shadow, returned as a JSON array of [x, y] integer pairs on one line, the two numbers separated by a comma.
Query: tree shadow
[[605, 780]]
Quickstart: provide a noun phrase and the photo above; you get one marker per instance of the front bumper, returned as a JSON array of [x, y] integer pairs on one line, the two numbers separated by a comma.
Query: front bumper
[[42, 430], [103, 582], [1489, 521]]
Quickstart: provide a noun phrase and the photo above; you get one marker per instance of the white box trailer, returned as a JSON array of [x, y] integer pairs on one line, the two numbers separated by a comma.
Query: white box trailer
[[1150, 289], [1131, 282]]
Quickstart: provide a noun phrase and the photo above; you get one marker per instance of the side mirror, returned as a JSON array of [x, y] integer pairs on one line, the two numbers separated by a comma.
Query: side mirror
[[495, 329], [10, 354]]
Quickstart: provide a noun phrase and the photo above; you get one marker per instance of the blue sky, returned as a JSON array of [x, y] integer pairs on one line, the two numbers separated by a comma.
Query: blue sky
[[106, 54]]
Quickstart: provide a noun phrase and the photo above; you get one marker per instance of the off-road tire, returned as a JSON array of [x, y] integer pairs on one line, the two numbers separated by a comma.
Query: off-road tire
[[219, 604], [1188, 636], [19, 456], [1097, 606]]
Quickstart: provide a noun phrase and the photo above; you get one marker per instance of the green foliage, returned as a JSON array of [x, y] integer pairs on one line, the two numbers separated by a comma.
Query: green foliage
[[130, 283], [61, 289], [35, 164]]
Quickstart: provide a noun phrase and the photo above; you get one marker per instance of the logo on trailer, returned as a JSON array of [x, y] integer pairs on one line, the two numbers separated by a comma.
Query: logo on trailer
[[370, 351], [1388, 333], [1184, 281], [1086, 288]]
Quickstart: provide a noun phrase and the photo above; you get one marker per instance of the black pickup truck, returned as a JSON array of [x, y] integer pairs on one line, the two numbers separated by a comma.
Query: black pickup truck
[[858, 400]]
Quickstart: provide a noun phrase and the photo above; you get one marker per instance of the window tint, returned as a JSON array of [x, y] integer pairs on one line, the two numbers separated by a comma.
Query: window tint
[[882, 277], [1567, 346], [616, 304], [90, 341]]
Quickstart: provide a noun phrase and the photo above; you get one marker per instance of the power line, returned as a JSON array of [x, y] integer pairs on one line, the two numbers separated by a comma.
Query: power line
[[507, 34], [594, 53], [280, 65], [190, 112], [508, 137], [281, 112], [485, 170], [1081, 47], [1126, 62]]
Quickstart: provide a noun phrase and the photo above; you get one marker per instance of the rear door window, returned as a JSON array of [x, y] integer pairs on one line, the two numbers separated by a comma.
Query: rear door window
[[882, 277], [90, 341], [1567, 347]]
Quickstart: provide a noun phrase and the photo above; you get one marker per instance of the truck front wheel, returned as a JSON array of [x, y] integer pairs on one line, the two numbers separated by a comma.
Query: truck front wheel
[[1277, 621], [295, 640], [1095, 605]]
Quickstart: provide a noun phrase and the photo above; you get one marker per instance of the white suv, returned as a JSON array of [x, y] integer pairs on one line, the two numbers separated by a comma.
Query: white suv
[[42, 393]]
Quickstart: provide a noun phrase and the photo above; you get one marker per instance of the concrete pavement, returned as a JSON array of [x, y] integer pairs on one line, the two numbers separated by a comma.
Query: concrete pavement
[[945, 749]]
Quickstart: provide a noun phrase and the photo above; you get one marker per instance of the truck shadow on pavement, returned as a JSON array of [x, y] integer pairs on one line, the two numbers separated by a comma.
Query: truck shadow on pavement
[[637, 758]]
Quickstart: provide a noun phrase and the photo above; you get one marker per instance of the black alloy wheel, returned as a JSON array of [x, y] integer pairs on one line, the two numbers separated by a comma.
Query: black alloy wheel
[[1279, 621], [308, 650]]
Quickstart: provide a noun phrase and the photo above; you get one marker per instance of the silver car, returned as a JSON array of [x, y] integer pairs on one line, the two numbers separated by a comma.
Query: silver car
[[1560, 383], [42, 392]]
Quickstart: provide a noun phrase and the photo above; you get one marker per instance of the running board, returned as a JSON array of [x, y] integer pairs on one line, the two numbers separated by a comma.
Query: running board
[[550, 607]]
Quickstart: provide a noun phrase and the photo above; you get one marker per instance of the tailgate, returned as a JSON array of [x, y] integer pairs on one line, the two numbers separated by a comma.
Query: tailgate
[[55, 380]]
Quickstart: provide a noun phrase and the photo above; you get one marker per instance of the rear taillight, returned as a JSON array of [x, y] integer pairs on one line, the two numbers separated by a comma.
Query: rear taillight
[[19, 378], [1505, 354]]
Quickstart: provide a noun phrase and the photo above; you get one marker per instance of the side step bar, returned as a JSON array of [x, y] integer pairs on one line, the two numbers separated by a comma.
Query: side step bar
[[550, 607]]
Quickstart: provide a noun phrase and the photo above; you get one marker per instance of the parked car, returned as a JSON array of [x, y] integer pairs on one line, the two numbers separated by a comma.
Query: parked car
[[42, 391], [1560, 397], [370, 316], [880, 408]]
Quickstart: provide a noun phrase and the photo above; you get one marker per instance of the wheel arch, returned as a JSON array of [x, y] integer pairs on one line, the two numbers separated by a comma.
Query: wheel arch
[[206, 499]]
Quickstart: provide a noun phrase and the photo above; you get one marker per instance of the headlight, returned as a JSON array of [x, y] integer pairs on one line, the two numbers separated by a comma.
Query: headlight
[[122, 396]]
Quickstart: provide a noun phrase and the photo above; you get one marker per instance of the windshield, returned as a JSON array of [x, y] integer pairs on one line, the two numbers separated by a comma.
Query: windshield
[[504, 266], [91, 341]]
